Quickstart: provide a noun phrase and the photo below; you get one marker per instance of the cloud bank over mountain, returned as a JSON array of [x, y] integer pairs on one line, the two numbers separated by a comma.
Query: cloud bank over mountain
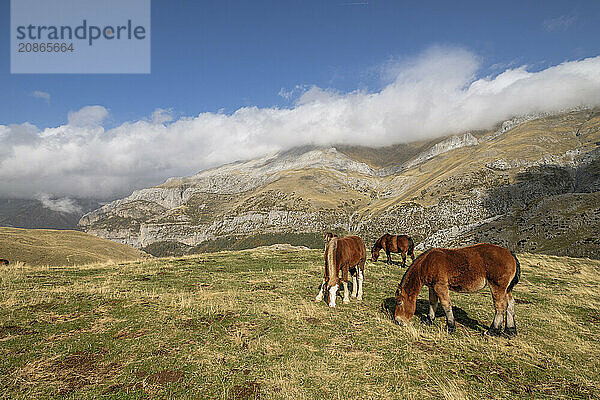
[[436, 93]]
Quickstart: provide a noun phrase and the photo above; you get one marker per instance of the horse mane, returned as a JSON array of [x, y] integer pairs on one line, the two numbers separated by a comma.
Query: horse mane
[[417, 261], [331, 261], [378, 244]]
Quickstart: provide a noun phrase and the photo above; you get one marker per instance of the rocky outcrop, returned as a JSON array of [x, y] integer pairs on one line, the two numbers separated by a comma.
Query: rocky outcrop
[[453, 142]]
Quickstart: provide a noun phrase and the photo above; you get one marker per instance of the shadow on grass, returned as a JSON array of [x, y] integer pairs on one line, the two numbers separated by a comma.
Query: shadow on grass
[[398, 263], [389, 305]]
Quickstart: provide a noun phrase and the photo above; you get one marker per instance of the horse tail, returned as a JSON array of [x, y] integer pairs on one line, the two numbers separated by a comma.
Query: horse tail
[[331, 262], [411, 246], [515, 279]]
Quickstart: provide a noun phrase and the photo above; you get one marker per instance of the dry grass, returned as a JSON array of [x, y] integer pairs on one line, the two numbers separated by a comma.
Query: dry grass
[[60, 247], [243, 325]]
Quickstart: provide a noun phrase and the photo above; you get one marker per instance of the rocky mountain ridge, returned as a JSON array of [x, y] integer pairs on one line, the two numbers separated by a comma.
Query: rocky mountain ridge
[[468, 187]]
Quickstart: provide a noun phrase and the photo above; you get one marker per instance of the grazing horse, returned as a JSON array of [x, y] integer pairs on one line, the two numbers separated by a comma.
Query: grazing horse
[[3, 261], [346, 254], [467, 269], [394, 244]]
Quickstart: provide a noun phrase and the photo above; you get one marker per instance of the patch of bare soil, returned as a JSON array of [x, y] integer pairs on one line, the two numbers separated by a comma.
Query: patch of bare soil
[[161, 377], [72, 372], [245, 391]]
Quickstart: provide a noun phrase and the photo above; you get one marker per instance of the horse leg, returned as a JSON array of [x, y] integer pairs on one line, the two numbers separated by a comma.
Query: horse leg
[[389, 257], [320, 295], [500, 304], [345, 283], [360, 270], [444, 297], [332, 294], [511, 327], [354, 283], [323, 285], [433, 304], [403, 259], [412, 258]]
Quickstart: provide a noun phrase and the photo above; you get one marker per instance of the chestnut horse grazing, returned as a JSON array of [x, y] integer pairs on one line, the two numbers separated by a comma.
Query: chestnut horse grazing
[[394, 244], [467, 269], [3, 261], [346, 254]]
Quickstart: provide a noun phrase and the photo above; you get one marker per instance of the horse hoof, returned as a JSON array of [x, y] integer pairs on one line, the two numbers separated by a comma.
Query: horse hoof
[[493, 332], [331, 305], [510, 331], [359, 298], [450, 328], [346, 301]]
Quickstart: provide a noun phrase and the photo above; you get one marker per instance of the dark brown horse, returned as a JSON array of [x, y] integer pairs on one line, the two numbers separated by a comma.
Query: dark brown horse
[[3, 261], [346, 254], [467, 269], [394, 244]]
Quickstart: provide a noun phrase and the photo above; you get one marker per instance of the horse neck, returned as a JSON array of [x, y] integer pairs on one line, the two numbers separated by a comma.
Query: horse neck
[[379, 243], [411, 281]]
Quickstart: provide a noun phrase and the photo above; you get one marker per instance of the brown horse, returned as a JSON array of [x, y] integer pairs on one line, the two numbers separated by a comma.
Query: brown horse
[[394, 244], [3, 261], [346, 254], [467, 269]]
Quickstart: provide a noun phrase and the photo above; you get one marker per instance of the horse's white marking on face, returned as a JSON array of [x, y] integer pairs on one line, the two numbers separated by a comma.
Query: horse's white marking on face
[[332, 294]]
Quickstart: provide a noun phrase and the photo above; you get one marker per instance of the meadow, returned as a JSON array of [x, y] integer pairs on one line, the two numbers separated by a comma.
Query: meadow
[[244, 325]]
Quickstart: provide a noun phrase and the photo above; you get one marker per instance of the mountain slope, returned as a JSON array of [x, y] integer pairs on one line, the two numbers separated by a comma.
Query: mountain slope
[[467, 187], [61, 247], [34, 214]]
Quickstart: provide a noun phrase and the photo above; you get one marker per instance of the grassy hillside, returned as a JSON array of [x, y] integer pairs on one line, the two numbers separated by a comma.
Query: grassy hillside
[[60, 247], [243, 325]]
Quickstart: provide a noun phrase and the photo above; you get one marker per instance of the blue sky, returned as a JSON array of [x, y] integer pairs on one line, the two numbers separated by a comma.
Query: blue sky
[[223, 55], [236, 80]]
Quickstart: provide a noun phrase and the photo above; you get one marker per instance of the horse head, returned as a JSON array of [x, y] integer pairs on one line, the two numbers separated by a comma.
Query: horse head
[[374, 253], [405, 309]]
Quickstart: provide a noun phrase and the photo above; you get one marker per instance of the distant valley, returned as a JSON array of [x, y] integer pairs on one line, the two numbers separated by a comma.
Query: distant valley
[[45, 213]]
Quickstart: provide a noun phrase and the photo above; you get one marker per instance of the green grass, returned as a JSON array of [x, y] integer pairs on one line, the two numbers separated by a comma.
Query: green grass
[[242, 325], [60, 247]]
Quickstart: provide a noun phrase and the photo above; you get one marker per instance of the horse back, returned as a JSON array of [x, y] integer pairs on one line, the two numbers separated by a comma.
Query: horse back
[[350, 250], [395, 243], [470, 268]]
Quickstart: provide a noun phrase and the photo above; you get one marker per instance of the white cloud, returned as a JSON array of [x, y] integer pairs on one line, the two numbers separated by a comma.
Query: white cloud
[[434, 94], [88, 116], [561, 23], [63, 205], [38, 94]]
